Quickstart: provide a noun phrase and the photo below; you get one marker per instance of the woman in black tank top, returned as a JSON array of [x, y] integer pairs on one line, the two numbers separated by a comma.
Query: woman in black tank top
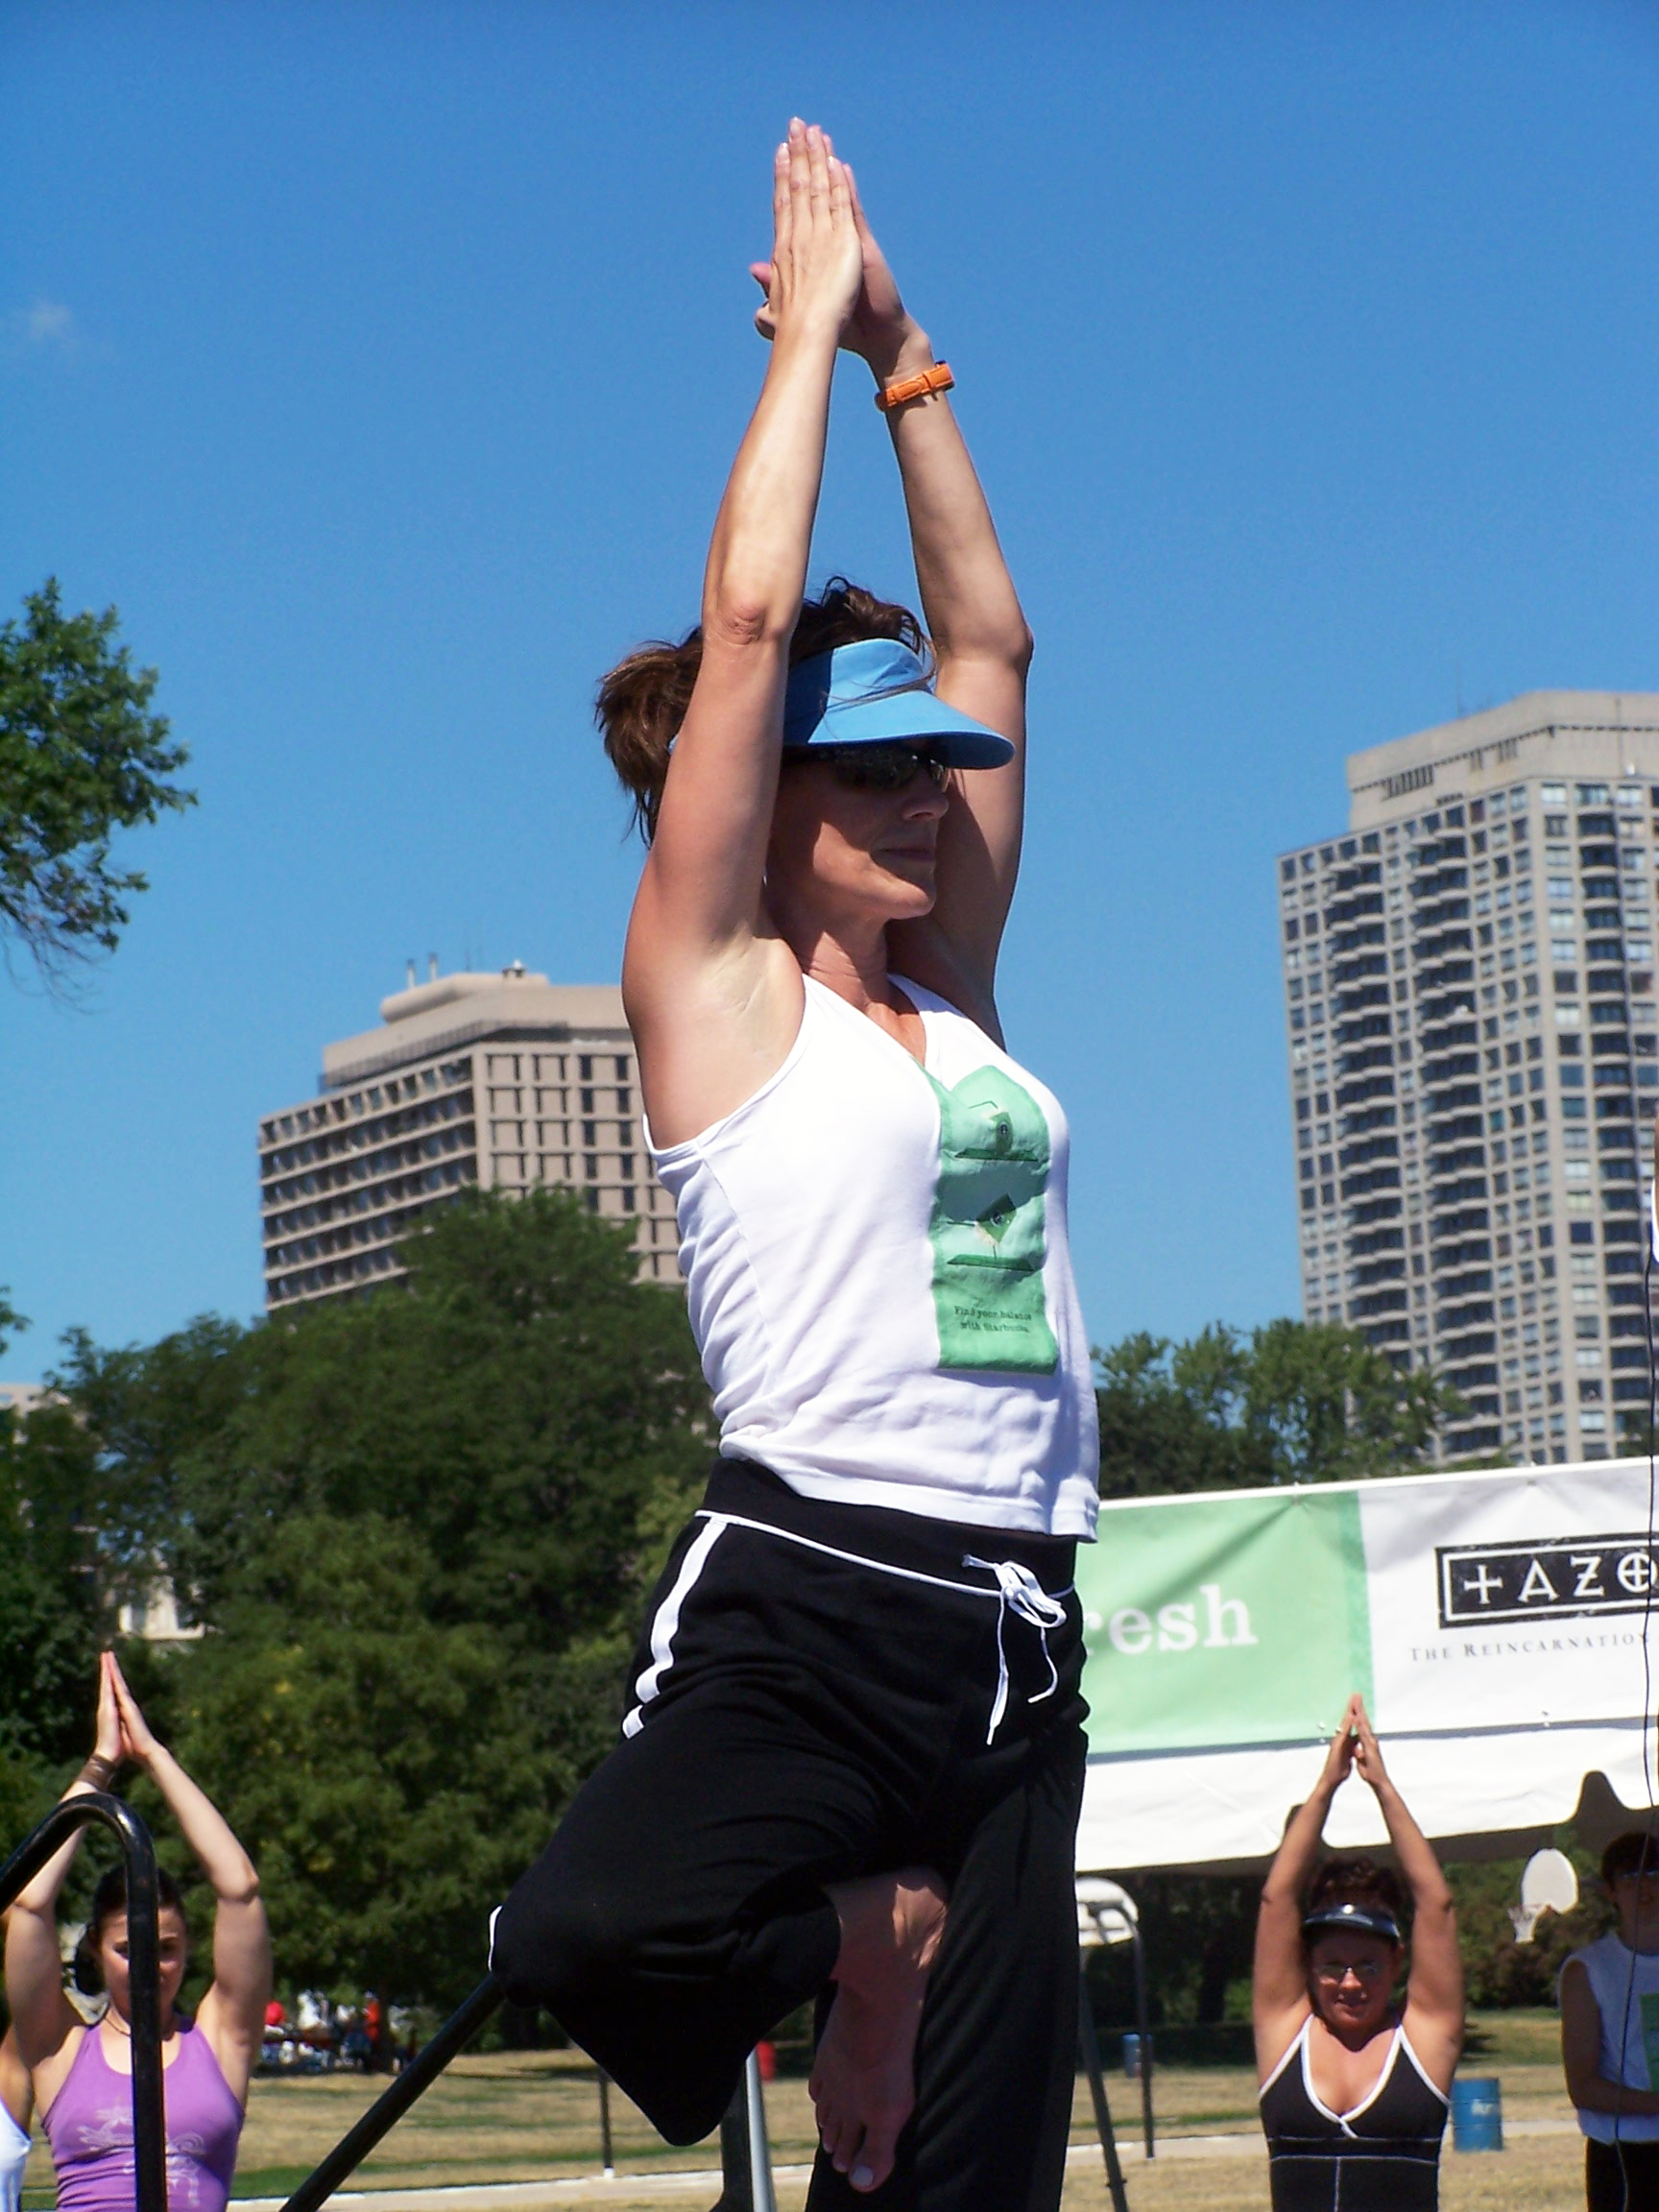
[[1354, 2084]]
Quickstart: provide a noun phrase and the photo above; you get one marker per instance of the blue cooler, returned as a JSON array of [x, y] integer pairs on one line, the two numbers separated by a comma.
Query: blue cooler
[[1476, 2113]]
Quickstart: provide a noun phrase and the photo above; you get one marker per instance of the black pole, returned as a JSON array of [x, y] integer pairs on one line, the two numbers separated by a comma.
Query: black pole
[[1089, 2042], [737, 2175], [144, 1960], [606, 2160], [1145, 2028], [352, 2147]]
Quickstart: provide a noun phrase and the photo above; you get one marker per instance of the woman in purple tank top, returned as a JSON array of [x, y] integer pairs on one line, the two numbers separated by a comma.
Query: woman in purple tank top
[[83, 2076]]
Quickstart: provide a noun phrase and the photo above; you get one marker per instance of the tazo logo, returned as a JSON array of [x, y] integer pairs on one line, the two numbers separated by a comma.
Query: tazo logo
[[1226, 1623], [1549, 1581]]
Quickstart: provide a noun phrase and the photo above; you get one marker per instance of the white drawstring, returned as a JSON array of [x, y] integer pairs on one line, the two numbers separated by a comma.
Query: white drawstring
[[1019, 1589]]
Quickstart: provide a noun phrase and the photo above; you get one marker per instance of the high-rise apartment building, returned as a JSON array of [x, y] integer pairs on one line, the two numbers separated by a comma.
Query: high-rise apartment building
[[504, 1081], [1474, 1040]]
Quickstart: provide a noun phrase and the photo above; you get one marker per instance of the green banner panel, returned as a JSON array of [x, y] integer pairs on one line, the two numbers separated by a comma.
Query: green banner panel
[[1224, 1620]]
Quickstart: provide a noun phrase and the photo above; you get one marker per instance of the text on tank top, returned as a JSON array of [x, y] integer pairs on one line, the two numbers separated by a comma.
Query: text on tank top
[[90, 2128], [1625, 1987], [879, 1276], [1383, 2155]]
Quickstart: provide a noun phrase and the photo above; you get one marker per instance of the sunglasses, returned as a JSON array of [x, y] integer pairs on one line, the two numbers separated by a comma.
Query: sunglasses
[[876, 767]]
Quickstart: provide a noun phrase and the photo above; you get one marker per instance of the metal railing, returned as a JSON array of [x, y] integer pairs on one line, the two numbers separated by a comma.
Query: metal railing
[[143, 1953]]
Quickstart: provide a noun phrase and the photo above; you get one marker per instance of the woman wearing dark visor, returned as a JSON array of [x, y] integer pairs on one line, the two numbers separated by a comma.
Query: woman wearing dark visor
[[1355, 2080], [853, 1750]]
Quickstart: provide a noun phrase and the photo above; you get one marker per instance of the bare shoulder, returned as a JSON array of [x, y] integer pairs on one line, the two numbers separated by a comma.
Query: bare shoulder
[[711, 1031], [233, 2041], [1436, 2038], [1276, 2029]]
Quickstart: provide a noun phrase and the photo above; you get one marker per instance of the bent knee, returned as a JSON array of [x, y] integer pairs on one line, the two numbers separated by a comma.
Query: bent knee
[[552, 1940]]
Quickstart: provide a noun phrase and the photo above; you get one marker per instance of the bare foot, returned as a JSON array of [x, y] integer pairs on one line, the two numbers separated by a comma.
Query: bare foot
[[863, 2083]]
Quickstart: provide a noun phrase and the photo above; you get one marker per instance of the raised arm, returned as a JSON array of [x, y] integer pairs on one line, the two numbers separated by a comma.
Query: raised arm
[[1434, 1989], [231, 2016], [978, 631], [42, 2016], [1278, 1983], [713, 996]]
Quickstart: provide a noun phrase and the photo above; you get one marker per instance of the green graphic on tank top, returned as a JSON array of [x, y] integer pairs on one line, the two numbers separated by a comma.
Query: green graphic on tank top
[[1650, 2003], [989, 1230]]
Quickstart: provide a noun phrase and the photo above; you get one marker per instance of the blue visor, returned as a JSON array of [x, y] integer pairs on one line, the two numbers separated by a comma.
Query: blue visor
[[876, 693], [1352, 1920]]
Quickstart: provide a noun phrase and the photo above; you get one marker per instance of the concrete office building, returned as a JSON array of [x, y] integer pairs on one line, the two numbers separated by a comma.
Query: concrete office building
[[1473, 1031], [505, 1081]]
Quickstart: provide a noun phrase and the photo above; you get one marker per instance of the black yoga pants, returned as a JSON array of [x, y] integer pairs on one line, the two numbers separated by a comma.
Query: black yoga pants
[[800, 1717], [1621, 2177]]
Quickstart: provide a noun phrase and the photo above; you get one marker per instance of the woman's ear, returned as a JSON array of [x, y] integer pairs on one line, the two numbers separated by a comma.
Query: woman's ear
[[85, 1971]]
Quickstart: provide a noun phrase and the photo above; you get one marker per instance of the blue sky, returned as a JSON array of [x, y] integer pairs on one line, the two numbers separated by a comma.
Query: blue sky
[[383, 364]]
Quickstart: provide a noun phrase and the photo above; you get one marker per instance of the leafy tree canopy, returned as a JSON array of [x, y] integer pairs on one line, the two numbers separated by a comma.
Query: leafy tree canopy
[[48, 1607], [1292, 1401], [81, 757], [418, 1528]]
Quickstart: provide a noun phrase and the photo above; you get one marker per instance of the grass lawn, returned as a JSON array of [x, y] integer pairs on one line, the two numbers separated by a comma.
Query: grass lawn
[[519, 2116]]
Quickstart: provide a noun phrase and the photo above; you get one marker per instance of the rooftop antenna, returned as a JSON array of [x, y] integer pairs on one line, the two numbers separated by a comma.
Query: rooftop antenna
[[408, 975], [431, 967]]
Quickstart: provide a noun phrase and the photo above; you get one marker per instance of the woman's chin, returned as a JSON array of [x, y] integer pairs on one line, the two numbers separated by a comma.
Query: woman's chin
[[909, 897]]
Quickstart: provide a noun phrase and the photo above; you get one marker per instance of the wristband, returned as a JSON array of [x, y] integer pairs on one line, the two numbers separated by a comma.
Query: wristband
[[938, 378]]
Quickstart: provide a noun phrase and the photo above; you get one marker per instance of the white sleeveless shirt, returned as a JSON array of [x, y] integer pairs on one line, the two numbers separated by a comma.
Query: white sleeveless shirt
[[13, 2157], [1625, 1987], [879, 1279]]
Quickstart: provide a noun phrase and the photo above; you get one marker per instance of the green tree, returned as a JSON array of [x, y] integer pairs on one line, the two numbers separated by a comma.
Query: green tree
[[418, 1528], [11, 1322], [81, 757], [384, 1767], [50, 1607], [50, 1612], [1292, 1401]]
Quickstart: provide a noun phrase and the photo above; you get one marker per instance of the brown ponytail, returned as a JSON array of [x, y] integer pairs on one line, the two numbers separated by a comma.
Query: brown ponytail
[[643, 701]]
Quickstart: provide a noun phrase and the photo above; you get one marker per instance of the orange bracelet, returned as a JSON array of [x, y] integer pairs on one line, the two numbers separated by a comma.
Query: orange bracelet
[[938, 378]]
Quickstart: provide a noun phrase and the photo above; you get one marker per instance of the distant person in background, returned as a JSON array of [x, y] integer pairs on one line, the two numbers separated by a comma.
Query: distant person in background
[[1610, 2035], [83, 2076], [16, 2102], [1355, 2085]]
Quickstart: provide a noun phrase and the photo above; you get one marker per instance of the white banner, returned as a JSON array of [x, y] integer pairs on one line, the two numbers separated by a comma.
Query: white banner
[[1494, 1622]]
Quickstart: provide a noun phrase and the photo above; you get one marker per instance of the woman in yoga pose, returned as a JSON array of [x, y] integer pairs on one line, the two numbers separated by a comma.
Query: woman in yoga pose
[[853, 1750], [83, 2076], [1353, 2083]]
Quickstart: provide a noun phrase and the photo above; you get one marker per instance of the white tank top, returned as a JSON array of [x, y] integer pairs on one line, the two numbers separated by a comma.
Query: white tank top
[[13, 2157], [1633, 2056], [879, 1279]]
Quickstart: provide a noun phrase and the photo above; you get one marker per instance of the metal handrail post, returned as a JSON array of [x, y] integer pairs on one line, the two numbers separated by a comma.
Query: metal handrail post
[[1146, 2054], [1089, 2044], [760, 2147], [144, 1963], [736, 2153], [606, 2157], [352, 2147]]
